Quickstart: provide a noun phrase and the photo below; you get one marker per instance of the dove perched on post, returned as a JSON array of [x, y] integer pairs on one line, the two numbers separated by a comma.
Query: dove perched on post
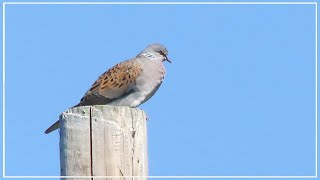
[[129, 83]]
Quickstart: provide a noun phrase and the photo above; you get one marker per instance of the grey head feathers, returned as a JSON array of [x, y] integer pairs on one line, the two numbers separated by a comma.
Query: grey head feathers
[[155, 50]]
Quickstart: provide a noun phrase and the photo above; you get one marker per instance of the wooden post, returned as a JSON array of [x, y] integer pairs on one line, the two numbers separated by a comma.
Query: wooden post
[[103, 141]]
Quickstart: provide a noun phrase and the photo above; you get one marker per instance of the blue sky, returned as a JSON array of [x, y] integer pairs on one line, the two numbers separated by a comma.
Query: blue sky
[[238, 99]]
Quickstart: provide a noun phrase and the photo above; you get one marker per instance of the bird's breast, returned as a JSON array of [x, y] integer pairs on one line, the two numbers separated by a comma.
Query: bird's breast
[[150, 80]]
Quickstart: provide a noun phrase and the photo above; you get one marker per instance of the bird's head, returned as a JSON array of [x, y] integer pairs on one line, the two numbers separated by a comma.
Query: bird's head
[[155, 51]]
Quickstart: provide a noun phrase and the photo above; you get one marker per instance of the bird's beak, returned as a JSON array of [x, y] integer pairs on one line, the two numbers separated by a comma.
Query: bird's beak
[[167, 59]]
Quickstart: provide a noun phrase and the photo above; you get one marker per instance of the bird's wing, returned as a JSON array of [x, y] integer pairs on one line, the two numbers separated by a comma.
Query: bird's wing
[[113, 84]]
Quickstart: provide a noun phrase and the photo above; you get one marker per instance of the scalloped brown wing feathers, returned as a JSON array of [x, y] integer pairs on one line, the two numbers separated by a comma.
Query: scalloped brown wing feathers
[[113, 84]]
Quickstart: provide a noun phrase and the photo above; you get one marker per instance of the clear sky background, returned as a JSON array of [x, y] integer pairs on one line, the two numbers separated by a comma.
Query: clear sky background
[[238, 99]]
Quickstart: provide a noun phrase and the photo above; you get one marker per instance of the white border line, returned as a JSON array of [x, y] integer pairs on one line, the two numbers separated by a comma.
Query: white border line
[[316, 79], [3, 89], [160, 3], [171, 177]]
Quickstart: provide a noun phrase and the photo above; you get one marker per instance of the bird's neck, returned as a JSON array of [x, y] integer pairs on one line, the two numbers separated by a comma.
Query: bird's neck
[[151, 55], [148, 54]]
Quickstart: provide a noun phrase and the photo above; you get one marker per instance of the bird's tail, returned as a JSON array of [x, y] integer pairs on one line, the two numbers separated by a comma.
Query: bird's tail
[[52, 127]]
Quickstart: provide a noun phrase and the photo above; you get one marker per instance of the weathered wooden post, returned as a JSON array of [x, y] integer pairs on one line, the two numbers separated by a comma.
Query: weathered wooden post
[[103, 141]]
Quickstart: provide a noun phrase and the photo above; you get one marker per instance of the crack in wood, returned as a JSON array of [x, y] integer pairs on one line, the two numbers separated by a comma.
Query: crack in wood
[[133, 144], [91, 154], [120, 171]]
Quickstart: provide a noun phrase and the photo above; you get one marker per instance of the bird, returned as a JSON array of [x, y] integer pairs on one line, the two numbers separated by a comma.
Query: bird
[[128, 83]]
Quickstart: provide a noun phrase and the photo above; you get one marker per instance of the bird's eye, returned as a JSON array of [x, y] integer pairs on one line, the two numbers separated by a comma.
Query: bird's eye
[[162, 53]]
